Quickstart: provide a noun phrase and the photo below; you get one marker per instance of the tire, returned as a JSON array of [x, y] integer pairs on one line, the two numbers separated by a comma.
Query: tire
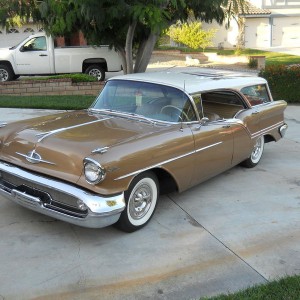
[[96, 71], [256, 154], [141, 199], [6, 73]]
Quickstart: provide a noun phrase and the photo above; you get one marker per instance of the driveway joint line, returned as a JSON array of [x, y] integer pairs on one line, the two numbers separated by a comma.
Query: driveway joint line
[[217, 239]]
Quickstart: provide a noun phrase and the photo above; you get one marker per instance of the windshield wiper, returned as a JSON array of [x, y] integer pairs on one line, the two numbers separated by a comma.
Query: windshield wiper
[[143, 118], [123, 113]]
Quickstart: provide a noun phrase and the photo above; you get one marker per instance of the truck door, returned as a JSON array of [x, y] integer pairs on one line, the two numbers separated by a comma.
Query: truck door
[[33, 57]]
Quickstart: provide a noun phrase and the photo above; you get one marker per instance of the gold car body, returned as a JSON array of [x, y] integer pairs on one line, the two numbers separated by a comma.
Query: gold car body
[[42, 159]]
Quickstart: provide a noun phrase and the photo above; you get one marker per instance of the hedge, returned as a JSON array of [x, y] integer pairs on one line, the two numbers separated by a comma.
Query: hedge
[[284, 82]]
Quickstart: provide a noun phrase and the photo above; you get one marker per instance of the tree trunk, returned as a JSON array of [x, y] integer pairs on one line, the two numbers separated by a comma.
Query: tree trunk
[[122, 54], [144, 53], [128, 48]]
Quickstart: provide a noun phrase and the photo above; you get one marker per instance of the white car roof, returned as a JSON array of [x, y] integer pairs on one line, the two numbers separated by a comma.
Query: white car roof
[[196, 81]]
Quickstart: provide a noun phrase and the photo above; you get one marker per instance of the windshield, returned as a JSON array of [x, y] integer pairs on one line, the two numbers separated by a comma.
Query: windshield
[[149, 100]]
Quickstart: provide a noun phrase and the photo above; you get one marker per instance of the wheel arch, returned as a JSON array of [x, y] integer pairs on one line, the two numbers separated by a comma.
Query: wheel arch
[[7, 63], [94, 61], [167, 182], [269, 138]]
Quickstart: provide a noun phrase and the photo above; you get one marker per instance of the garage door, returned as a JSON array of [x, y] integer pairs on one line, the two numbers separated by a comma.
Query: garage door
[[286, 32], [257, 33]]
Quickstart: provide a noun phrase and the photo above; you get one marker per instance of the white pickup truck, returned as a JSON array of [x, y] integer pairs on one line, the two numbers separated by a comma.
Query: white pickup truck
[[37, 55]]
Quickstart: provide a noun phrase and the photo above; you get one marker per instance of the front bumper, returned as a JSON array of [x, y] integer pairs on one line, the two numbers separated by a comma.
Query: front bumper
[[59, 199]]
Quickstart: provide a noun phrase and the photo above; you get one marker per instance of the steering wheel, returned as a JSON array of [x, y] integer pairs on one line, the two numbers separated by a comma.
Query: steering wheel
[[178, 112]]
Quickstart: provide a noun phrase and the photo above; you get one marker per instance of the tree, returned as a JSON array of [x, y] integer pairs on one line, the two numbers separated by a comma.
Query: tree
[[16, 12], [191, 34], [131, 26]]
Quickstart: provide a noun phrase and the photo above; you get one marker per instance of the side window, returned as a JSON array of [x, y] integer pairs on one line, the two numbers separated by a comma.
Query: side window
[[256, 94], [35, 44]]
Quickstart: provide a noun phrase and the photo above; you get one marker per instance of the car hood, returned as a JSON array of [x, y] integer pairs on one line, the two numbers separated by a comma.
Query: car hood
[[56, 145]]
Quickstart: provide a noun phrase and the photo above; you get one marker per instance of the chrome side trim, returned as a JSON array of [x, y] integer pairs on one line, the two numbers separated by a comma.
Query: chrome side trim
[[46, 134], [167, 161], [102, 210], [3, 124], [265, 130]]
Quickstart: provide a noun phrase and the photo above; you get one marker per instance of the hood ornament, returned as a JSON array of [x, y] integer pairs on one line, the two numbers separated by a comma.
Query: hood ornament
[[34, 158]]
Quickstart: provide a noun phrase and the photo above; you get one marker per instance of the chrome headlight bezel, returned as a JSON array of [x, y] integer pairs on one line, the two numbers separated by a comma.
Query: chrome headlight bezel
[[92, 167]]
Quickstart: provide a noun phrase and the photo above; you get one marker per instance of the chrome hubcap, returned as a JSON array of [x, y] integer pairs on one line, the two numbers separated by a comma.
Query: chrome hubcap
[[96, 73], [3, 75], [257, 150], [140, 202]]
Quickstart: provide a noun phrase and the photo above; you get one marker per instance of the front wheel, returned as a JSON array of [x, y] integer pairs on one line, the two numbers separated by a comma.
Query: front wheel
[[256, 154], [96, 71], [6, 73], [141, 199]]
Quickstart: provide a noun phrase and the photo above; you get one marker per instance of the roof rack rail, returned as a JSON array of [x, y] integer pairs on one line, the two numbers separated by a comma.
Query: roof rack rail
[[210, 75]]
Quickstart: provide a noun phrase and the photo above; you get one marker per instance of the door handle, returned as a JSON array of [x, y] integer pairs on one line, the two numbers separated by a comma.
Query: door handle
[[226, 126], [255, 112], [43, 55]]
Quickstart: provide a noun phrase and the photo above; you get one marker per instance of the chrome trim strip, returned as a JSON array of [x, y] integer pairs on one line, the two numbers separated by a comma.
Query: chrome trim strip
[[46, 134], [265, 130], [207, 147], [167, 161], [100, 150], [3, 124]]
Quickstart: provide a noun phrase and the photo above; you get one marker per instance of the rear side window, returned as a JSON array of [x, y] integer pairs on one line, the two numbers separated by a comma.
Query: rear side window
[[256, 94]]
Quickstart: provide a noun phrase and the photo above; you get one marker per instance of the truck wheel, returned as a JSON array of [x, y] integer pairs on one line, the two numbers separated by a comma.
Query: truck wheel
[[6, 73], [96, 71]]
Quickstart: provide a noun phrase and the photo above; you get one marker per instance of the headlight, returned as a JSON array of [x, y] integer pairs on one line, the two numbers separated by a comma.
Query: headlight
[[93, 171]]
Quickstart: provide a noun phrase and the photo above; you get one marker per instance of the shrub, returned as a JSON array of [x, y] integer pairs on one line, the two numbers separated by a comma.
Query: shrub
[[284, 82], [78, 77], [192, 35]]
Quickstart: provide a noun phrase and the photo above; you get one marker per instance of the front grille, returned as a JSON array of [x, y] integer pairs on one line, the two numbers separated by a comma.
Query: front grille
[[51, 199]]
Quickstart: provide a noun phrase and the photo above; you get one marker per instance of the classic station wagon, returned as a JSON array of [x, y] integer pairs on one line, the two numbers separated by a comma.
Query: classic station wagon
[[144, 135]]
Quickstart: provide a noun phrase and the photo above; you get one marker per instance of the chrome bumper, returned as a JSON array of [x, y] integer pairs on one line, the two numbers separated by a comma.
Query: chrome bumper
[[283, 129], [47, 196]]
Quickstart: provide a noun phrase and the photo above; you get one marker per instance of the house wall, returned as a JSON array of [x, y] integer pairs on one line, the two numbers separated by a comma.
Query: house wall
[[279, 29], [226, 38]]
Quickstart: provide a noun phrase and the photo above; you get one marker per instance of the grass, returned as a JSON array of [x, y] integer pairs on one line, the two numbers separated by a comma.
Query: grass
[[47, 102], [287, 288]]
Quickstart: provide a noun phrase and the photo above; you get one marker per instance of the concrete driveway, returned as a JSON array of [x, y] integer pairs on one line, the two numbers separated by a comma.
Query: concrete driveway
[[238, 229]]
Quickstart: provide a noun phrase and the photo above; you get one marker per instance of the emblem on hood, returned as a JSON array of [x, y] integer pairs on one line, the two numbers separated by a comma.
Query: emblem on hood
[[34, 158]]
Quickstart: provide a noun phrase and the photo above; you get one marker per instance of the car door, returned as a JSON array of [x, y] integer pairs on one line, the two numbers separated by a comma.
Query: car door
[[33, 57], [213, 149]]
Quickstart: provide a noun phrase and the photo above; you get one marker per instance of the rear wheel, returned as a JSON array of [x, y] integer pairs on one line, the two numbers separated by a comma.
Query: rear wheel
[[6, 73], [141, 199], [256, 154], [96, 71]]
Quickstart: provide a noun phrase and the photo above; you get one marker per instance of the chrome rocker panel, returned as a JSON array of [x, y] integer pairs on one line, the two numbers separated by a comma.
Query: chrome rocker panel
[[101, 211]]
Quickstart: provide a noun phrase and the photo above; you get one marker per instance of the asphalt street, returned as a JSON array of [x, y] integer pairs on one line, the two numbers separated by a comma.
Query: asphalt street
[[238, 229]]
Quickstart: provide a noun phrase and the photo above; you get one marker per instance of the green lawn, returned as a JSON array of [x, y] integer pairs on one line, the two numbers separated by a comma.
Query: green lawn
[[47, 102], [287, 288]]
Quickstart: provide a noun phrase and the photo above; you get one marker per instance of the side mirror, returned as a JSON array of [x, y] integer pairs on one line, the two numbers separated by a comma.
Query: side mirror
[[204, 120]]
